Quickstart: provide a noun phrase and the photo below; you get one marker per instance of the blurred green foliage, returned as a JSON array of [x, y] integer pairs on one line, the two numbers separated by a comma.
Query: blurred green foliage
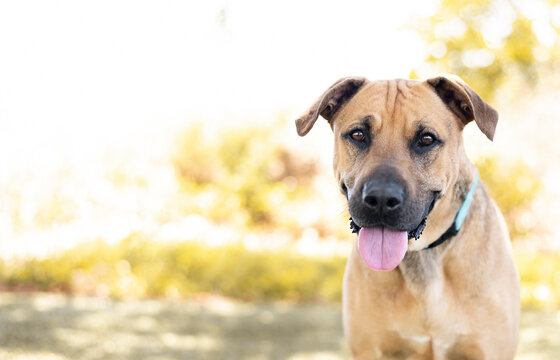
[[540, 279], [242, 176], [138, 267], [513, 186], [489, 43]]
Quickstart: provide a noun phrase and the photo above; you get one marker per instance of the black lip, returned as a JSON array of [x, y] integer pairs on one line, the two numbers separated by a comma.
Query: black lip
[[418, 231], [412, 234]]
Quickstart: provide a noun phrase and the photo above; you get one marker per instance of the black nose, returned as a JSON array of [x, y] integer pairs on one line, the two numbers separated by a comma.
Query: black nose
[[383, 197]]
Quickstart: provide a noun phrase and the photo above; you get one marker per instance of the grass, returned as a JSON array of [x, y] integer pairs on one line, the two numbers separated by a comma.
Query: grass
[[58, 327]]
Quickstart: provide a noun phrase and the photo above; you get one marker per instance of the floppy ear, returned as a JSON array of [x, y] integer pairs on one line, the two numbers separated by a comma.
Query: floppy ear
[[465, 103], [329, 103]]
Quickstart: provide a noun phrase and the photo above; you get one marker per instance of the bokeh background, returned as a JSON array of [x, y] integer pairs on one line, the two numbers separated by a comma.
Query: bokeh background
[[156, 202]]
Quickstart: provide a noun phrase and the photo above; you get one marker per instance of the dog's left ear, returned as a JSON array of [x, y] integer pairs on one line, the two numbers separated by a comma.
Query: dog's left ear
[[465, 103]]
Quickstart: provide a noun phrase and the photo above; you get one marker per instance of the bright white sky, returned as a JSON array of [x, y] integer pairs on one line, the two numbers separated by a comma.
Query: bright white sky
[[77, 74]]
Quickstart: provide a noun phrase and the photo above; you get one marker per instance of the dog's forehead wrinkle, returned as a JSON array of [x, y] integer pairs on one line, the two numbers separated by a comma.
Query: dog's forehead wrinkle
[[394, 92]]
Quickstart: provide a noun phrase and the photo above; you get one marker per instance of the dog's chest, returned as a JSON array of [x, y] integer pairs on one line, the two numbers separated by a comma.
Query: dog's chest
[[411, 342], [403, 322]]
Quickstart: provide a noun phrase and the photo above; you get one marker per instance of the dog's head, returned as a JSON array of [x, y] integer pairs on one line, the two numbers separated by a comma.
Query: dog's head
[[398, 149]]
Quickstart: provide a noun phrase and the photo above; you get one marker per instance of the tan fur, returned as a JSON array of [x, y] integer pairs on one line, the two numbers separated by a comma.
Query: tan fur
[[459, 300]]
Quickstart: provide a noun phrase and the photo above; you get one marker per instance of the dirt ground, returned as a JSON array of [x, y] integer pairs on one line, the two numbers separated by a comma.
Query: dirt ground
[[58, 327]]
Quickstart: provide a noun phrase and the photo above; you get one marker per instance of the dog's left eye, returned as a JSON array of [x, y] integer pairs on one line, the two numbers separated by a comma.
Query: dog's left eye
[[426, 140]]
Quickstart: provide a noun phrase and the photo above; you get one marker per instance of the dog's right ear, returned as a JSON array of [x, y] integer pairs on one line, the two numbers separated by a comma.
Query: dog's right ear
[[329, 103]]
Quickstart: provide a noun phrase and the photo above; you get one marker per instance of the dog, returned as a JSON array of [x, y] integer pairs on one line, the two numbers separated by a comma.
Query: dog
[[431, 275]]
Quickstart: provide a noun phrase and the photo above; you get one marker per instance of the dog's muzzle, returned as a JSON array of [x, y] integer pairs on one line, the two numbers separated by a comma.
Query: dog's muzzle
[[414, 233]]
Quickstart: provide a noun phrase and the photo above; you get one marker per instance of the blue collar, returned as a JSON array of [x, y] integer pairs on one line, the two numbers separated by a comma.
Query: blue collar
[[460, 217]]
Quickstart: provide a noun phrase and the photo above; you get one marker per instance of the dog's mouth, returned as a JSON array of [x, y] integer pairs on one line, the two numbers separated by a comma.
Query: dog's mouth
[[412, 234], [383, 248]]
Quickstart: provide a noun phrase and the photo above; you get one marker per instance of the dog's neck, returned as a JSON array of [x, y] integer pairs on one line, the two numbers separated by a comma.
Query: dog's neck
[[442, 217], [422, 270]]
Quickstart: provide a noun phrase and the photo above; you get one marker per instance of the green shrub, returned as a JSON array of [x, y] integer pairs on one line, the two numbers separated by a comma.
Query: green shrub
[[137, 267]]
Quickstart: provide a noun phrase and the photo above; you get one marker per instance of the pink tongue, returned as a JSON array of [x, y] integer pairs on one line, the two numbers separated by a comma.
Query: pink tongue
[[382, 248]]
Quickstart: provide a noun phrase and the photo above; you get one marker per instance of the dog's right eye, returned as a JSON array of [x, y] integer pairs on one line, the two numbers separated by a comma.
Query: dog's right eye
[[358, 137]]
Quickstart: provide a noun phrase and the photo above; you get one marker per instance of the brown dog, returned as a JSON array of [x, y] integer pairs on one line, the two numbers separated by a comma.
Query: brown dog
[[453, 291]]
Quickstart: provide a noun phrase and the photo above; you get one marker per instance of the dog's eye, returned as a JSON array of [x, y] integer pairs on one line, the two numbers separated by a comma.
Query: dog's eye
[[427, 139], [358, 135]]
